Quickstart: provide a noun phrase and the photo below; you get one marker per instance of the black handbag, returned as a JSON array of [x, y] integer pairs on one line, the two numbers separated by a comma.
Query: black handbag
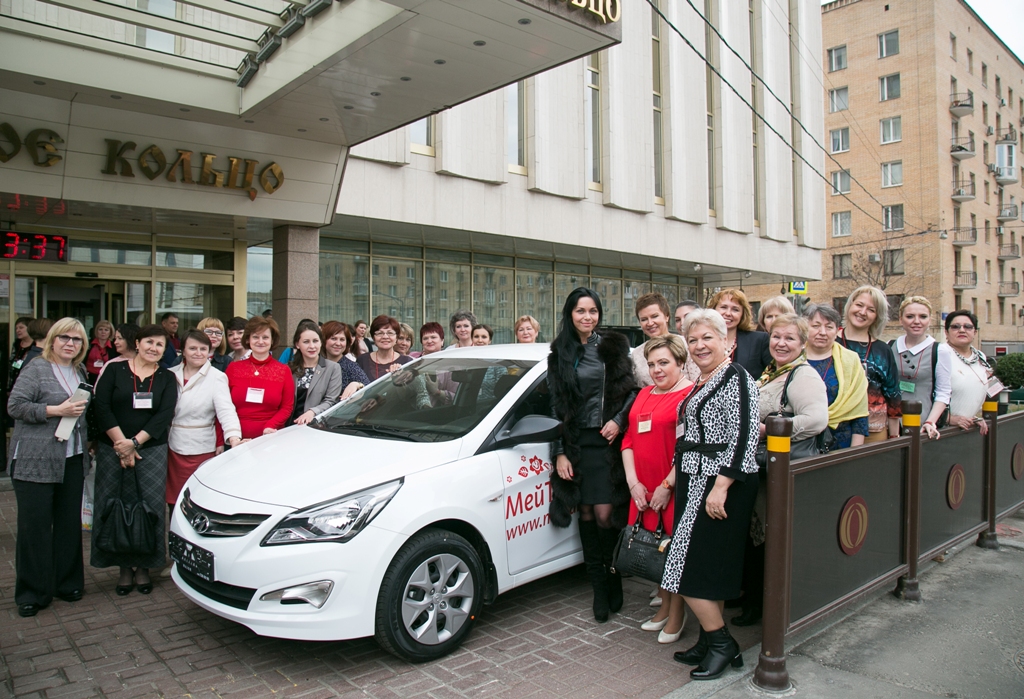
[[641, 552], [820, 443], [127, 528]]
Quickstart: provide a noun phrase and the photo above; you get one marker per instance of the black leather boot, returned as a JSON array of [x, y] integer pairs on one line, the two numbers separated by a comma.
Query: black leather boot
[[694, 655], [723, 651], [590, 537], [610, 537]]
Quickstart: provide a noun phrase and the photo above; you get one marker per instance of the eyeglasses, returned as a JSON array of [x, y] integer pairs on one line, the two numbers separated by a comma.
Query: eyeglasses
[[67, 338], [214, 332], [385, 333], [961, 327]]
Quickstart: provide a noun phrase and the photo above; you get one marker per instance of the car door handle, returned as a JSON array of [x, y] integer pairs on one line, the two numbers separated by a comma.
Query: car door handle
[[496, 497]]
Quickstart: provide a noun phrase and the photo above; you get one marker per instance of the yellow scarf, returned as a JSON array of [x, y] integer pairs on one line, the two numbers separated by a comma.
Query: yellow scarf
[[852, 400]]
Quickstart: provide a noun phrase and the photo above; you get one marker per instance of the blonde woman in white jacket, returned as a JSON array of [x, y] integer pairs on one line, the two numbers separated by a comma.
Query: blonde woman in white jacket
[[203, 399]]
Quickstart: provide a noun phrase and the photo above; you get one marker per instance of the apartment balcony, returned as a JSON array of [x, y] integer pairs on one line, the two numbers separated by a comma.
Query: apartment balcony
[[1009, 252], [1008, 213], [965, 280], [961, 103], [962, 148], [1005, 175], [963, 190], [1007, 135], [964, 236], [1008, 289]]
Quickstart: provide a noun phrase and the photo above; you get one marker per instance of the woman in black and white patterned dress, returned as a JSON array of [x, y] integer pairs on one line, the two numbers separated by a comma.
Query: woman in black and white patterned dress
[[716, 485]]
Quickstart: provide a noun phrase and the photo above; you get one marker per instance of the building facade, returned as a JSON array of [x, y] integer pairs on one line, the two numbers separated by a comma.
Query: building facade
[[925, 106], [634, 169]]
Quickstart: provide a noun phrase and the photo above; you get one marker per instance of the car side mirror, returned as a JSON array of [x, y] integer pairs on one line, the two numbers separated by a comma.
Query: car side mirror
[[530, 428]]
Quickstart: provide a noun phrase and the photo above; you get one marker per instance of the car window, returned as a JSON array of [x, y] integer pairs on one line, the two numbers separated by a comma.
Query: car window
[[431, 400]]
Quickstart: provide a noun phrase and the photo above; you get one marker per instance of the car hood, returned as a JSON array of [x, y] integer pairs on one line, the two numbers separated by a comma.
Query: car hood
[[302, 466]]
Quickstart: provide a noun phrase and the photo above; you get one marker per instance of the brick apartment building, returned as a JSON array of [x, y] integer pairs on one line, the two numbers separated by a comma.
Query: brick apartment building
[[924, 114]]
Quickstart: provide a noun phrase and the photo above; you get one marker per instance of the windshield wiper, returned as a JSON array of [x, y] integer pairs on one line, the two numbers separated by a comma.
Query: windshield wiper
[[392, 432]]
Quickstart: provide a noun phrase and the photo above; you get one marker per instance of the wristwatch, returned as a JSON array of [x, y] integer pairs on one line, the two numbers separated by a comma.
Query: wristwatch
[[135, 441]]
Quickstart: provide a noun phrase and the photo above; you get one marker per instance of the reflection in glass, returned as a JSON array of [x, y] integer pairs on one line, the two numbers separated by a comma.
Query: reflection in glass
[[535, 293], [447, 289], [494, 301]]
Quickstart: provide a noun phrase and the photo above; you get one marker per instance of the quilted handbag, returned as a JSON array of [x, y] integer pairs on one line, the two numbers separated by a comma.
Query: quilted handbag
[[641, 552], [125, 527]]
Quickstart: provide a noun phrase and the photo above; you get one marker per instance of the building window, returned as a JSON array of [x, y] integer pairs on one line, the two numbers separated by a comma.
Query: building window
[[841, 182], [984, 113], [987, 193], [984, 75], [892, 130], [988, 271], [952, 46], [659, 158], [839, 303], [999, 87], [842, 266], [592, 127], [984, 153], [839, 99], [840, 140], [892, 217], [515, 125], [970, 61], [893, 301], [421, 133], [892, 174], [837, 59], [841, 223], [709, 101], [889, 87], [892, 262], [889, 43]]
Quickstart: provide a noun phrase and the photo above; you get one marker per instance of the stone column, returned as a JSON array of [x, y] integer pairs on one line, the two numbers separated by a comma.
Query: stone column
[[296, 277]]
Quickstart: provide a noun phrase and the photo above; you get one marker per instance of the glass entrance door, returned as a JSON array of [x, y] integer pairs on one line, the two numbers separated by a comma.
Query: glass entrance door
[[63, 298]]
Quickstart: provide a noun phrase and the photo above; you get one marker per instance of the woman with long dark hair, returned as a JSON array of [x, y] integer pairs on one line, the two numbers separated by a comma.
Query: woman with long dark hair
[[590, 377]]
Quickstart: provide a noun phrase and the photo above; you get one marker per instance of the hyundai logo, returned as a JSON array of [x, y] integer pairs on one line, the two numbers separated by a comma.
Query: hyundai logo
[[201, 523]]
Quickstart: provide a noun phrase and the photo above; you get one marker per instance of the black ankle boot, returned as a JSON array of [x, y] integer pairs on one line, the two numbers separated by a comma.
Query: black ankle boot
[[723, 651], [610, 537], [590, 537], [694, 655]]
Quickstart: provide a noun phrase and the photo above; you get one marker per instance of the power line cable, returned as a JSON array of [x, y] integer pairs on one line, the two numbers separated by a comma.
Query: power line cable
[[764, 121], [777, 99]]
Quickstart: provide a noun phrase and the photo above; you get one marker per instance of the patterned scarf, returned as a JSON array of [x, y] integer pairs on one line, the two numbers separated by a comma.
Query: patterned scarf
[[773, 372]]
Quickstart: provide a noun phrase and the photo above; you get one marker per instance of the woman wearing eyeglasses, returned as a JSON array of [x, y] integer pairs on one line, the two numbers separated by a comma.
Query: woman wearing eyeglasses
[[214, 329], [47, 474], [970, 374], [385, 359]]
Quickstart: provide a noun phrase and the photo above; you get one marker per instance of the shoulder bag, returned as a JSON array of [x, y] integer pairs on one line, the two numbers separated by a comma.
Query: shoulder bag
[[641, 552], [820, 443]]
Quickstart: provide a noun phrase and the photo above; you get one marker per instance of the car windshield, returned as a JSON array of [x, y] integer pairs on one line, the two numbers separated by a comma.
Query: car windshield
[[431, 400]]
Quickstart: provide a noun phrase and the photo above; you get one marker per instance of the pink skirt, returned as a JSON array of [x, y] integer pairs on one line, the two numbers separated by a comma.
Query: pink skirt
[[179, 469]]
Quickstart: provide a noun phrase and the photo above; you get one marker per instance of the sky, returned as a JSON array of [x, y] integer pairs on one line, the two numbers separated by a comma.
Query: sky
[[1006, 19]]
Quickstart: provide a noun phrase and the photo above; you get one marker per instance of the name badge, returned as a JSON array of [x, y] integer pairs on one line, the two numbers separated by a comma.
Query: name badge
[[907, 386], [98, 364], [142, 401], [254, 395], [16, 364], [995, 387], [644, 423]]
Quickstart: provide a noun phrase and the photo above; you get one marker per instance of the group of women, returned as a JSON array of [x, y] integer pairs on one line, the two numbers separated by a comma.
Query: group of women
[[681, 453]]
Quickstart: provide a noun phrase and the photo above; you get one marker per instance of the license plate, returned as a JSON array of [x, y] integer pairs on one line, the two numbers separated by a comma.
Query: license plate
[[191, 558]]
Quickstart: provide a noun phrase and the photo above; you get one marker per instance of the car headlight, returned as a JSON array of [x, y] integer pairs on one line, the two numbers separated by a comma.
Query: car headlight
[[338, 520]]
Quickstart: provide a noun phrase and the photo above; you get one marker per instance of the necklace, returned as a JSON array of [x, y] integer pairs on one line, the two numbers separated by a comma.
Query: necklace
[[703, 380], [658, 392]]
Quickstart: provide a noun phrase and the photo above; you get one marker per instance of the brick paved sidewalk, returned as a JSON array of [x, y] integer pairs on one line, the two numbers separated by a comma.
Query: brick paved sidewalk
[[539, 640]]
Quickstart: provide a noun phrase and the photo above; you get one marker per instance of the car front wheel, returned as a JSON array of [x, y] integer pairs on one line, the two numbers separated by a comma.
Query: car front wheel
[[430, 596]]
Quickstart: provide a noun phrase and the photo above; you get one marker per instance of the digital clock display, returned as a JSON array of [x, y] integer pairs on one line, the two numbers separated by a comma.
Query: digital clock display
[[34, 246]]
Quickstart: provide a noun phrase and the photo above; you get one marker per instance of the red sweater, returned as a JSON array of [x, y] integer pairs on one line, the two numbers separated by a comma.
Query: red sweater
[[278, 398]]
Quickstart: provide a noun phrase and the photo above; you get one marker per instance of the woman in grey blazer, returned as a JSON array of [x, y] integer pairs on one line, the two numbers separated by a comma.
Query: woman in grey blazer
[[317, 381], [47, 473]]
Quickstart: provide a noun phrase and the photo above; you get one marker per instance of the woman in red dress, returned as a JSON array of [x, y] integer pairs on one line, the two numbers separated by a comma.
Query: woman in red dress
[[261, 387], [647, 451]]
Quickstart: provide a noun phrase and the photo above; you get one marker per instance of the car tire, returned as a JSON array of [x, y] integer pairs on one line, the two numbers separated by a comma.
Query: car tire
[[430, 596]]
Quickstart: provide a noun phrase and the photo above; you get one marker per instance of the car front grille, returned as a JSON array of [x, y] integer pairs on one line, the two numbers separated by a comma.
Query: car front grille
[[208, 523], [231, 595]]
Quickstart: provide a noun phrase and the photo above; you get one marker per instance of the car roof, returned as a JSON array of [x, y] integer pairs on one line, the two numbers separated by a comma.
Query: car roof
[[535, 351]]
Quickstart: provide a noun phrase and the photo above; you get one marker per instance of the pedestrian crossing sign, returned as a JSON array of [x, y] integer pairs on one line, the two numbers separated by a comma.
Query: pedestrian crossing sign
[[798, 288]]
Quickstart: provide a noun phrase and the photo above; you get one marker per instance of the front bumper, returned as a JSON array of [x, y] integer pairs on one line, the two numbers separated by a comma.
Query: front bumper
[[244, 571]]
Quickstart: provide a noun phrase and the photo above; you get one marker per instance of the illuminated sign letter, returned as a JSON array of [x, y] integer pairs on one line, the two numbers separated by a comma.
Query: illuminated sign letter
[[41, 148], [7, 132], [275, 170], [158, 157], [185, 159], [209, 176]]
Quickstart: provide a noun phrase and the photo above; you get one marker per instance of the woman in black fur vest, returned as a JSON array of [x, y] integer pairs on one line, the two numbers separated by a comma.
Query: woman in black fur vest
[[590, 377]]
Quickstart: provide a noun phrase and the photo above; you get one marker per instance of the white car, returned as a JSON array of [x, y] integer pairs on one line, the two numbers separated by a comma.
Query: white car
[[396, 514]]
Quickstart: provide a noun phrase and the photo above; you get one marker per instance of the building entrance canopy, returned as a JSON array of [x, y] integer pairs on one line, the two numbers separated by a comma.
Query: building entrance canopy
[[249, 108]]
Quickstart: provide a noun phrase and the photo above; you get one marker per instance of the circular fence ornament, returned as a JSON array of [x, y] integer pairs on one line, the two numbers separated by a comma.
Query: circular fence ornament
[[853, 525], [956, 486], [1017, 461]]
